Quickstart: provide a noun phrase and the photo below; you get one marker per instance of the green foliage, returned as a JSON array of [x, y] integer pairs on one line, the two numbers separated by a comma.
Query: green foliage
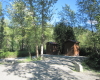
[[68, 16], [27, 26], [85, 51], [37, 59], [28, 59], [8, 54], [97, 17], [89, 8], [44, 14], [62, 33], [1, 9], [24, 53], [93, 61], [1, 26]]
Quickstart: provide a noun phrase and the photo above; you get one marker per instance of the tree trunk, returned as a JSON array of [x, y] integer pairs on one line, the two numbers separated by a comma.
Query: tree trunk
[[22, 45], [12, 41], [23, 34], [12, 47], [94, 47], [42, 37], [42, 51], [30, 54], [37, 53]]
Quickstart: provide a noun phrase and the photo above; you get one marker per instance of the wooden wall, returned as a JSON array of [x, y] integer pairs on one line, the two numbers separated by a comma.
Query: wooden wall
[[51, 48], [71, 49]]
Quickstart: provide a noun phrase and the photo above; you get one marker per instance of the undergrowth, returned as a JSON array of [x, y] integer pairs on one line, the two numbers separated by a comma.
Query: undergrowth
[[87, 67], [14, 54]]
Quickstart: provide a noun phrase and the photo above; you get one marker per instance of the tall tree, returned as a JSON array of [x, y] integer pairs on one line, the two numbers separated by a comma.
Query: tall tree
[[32, 9], [67, 15], [17, 15], [44, 14], [62, 33], [98, 29], [1, 26], [89, 9], [98, 22]]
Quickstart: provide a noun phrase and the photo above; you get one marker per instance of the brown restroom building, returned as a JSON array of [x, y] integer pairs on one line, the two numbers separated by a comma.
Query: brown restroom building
[[71, 48], [52, 48]]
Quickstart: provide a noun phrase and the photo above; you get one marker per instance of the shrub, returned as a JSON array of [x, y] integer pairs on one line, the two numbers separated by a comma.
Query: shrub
[[24, 53], [94, 61], [85, 51], [8, 54]]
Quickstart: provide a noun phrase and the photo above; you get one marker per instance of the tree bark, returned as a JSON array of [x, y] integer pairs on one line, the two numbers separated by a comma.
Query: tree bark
[[41, 50], [42, 37], [22, 45], [37, 53], [30, 54]]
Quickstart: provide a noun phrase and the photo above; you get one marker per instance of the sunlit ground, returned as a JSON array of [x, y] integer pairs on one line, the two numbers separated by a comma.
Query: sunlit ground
[[51, 68]]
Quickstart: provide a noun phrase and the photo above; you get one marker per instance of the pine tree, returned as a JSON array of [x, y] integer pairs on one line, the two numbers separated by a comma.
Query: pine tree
[[1, 26]]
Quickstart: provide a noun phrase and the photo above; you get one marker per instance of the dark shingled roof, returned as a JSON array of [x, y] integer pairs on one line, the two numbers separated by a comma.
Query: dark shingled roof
[[52, 42], [73, 41]]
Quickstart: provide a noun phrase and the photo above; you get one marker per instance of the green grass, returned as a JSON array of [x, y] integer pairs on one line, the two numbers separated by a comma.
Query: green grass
[[28, 59], [0, 63], [34, 59]]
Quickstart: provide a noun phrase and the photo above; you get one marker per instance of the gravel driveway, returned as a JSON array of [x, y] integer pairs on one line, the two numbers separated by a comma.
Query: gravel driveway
[[51, 68]]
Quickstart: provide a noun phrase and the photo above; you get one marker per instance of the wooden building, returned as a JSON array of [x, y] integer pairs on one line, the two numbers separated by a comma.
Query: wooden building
[[52, 48], [71, 48]]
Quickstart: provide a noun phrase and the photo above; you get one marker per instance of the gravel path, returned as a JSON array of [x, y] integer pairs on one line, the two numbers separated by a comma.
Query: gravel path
[[51, 68]]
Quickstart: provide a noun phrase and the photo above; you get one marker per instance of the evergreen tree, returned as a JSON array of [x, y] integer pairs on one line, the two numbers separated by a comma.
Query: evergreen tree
[[68, 16], [1, 26], [62, 33]]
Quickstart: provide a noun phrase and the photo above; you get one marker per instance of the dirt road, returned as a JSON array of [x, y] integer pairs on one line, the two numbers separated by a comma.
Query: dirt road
[[51, 68]]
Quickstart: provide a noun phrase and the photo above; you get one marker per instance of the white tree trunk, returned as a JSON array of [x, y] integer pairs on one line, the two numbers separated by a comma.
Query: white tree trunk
[[42, 51]]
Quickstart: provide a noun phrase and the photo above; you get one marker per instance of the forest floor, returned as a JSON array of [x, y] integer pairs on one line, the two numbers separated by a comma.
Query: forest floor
[[51, 68]]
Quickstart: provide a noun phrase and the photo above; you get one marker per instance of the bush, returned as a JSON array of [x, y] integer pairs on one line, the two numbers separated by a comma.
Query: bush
[[8, 54], [85, 51], [22, 53], [94, 61]]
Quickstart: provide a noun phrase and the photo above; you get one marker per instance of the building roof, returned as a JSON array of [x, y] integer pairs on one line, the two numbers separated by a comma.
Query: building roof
[[52, 42], [73, 41]]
